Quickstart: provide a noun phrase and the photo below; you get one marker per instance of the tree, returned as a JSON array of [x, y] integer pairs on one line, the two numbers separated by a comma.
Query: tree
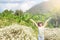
[[7, 12], [18, 12], [56, 16]]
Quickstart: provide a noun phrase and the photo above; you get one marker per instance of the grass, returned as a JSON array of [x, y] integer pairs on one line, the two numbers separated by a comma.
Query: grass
[[17, 32], [52, 34]]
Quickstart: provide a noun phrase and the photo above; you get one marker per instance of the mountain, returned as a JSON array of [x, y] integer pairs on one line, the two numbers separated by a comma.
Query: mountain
[[45, 7]]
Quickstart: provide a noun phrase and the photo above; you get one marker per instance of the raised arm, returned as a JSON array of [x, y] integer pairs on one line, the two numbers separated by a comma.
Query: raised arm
[[33, 22], [46, 21]]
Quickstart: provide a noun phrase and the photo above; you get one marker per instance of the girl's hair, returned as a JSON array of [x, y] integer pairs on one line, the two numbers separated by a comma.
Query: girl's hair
[[39, 24]]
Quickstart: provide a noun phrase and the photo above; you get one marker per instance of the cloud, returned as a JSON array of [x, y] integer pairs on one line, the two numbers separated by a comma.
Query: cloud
[[23, 6], [9, 0], [8, 6], [27, 5], [18, 4]]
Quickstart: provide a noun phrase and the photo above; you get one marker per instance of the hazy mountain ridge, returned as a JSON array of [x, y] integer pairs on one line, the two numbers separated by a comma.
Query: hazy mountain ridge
[[45, 7]]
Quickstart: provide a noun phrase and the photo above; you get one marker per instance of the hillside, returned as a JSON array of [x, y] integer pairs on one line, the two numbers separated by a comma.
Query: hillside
[[52, 34], [17, 32], [45, 7], [20, 32]]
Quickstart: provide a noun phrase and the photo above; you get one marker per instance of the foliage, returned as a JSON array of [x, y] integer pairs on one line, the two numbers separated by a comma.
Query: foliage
[[8, 17]]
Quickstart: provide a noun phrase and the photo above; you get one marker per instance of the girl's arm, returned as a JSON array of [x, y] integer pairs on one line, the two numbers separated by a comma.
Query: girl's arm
[[46, 21], [33, 22]]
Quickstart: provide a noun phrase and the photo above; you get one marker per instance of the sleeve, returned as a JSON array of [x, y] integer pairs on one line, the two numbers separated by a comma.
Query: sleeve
[[33, 22]]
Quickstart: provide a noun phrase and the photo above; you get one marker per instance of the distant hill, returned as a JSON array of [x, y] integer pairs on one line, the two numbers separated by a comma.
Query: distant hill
[[45, 7]]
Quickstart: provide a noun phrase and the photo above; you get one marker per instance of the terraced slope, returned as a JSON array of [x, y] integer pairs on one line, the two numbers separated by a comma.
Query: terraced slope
[[52, 34], [17, 32]]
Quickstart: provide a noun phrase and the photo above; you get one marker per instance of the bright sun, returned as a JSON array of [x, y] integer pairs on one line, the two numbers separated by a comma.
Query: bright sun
[[56, 4]]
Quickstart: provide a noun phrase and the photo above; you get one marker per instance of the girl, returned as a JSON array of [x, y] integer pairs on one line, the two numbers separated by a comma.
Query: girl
[[40, 26]]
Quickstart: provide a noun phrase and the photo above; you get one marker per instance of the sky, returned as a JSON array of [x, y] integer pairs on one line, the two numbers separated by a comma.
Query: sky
[[24, 5]]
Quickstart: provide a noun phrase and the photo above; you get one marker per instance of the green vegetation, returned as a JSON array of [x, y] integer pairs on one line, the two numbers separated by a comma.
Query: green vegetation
[[8, 17]]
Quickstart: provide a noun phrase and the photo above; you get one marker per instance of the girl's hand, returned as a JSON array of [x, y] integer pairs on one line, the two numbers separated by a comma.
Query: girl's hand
[[46, 21]]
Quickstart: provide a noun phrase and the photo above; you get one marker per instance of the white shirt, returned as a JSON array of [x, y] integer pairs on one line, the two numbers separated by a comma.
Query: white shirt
[[41, 31]]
